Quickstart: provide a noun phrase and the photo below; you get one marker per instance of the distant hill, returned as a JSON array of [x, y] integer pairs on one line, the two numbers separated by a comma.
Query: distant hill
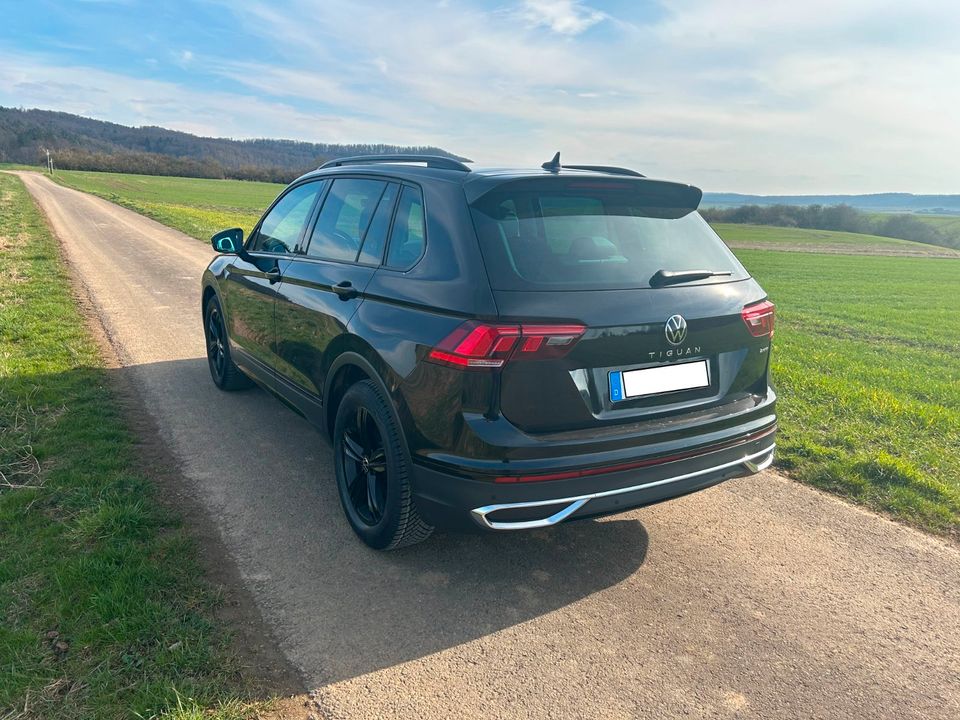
[[80, 143], [879, 202]]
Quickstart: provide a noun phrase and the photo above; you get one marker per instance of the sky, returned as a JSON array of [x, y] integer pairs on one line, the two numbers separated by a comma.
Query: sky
[[758, 96]]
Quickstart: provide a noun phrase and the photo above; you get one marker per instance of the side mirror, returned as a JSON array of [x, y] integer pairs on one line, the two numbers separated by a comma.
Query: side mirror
[[228, 241]]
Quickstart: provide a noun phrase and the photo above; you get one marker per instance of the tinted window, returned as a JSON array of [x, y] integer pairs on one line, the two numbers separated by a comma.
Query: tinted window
[[586, 235], [408, 238], [344, 218], [376, 237], [281, 228]]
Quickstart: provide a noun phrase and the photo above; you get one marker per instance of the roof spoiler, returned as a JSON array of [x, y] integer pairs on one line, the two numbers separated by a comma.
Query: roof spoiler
[[554, 166], [657, 198]]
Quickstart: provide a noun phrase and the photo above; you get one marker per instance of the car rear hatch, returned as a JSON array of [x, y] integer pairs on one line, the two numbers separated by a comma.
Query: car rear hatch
[[651, 300]]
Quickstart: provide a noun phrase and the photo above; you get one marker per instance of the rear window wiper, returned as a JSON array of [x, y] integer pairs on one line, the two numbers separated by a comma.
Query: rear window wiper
[[672, 277]]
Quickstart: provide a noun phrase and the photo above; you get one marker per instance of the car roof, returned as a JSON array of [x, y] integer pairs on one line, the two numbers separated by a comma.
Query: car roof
[[478, 181], [417, 172], [401, 170]]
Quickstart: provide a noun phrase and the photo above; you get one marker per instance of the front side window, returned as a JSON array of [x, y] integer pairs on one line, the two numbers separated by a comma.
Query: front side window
[[282, 226], [408, 238], [344, 218]]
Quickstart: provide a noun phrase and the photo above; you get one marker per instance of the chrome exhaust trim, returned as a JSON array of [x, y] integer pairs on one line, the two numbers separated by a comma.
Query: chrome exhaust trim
[[755, 467], [752, 463]]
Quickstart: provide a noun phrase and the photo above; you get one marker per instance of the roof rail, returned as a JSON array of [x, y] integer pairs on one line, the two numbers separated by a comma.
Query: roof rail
[[605, 169], [431, 161]]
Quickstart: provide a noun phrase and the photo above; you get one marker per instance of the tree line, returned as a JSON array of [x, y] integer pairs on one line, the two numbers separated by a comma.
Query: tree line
[[143, 163], [80, 143], [835, 217]]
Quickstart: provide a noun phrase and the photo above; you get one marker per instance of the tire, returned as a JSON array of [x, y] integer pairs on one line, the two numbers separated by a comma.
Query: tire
[[373, 471], [225, 374]]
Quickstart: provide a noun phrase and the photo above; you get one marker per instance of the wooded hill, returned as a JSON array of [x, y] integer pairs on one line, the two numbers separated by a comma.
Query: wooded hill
[[79, 143]]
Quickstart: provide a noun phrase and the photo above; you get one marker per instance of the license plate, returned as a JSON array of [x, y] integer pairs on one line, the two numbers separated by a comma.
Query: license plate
[[658, 380]]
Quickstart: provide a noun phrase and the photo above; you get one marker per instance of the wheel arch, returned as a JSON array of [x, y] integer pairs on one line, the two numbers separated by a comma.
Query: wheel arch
[[349, 367], [209, 288], [208, 292]]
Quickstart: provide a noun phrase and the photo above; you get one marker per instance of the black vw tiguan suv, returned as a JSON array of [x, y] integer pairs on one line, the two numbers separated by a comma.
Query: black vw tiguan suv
[[497, 348]]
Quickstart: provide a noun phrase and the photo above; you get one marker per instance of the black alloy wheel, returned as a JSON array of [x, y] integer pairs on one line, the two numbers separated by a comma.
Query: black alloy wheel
[[216, 352], [373, 470], [226, 375], [365, 466]]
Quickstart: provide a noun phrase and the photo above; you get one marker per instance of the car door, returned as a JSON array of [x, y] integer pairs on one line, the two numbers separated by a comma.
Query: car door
[[250, 288], [323, 286]]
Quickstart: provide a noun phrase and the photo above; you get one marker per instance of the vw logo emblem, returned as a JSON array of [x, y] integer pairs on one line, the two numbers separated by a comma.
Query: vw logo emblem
[[675, 329]]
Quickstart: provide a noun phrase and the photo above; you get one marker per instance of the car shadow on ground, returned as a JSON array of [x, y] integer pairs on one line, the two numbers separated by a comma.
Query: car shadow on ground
[[337, 608], [456, 588]]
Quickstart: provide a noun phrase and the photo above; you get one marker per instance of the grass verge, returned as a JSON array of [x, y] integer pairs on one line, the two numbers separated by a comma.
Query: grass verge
[[103, 608]]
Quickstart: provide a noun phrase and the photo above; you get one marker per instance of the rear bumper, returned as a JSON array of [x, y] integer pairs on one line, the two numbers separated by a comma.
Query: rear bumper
[[608, 501], [449, 501]]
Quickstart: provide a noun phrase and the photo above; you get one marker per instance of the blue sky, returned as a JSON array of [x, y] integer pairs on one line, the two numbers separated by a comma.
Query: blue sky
[[749, 96]]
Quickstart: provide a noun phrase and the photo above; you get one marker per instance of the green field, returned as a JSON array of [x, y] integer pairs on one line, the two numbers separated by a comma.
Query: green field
[[104, 612], [867, 365], [866, 357], [195, 206], [950, 224], [763, 237]]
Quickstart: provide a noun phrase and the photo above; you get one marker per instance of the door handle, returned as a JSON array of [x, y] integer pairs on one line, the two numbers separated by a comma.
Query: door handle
[[273, 275], [345, 290]]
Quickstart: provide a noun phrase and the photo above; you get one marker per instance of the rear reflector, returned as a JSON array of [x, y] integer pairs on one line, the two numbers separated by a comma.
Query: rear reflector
[[481, 345], [759, 318]]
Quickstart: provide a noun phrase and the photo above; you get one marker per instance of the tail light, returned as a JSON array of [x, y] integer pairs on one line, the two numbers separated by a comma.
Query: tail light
[[759, 318], [482, 345]]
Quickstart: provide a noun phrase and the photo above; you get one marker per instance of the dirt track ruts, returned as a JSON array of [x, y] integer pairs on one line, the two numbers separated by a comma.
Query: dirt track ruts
[[757, 598]]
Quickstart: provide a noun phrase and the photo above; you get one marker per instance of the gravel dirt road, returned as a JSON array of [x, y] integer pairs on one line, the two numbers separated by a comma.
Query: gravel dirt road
[[757, 598]]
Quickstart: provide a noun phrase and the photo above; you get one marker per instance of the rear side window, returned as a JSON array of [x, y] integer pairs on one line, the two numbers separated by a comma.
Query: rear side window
[[583, 235], [376, 237], [408, 238], [344, 218]]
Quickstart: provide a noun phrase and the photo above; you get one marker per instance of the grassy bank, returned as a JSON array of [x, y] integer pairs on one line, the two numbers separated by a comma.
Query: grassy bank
[[867, 352], [103, 609]]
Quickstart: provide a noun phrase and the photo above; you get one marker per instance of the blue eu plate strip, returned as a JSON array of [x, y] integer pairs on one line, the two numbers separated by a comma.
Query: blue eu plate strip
[[616, 386]]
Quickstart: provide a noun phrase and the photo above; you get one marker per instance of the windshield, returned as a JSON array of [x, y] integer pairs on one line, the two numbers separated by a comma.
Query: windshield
[[587, 235]]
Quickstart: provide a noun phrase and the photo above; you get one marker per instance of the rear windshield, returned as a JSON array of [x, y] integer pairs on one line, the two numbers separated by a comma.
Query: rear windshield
[[585, 235]]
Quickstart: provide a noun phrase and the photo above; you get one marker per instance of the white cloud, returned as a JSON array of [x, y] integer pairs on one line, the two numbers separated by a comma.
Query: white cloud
[[567, 17], [732, 95], [36, 81]]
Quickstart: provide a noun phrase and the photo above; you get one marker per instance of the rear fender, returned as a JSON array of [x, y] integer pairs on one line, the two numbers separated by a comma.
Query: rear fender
[[355, 355]]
